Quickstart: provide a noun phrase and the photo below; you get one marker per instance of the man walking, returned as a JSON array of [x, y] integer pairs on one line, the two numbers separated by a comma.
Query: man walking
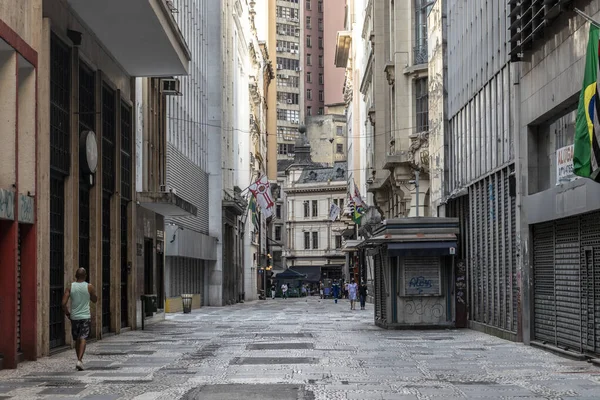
[[284, 289], [352, 290], [362, 293], [81, 293]]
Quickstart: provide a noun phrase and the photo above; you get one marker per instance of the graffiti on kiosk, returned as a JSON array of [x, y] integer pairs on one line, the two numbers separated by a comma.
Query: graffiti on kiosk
[[428, 307], [419, 283]]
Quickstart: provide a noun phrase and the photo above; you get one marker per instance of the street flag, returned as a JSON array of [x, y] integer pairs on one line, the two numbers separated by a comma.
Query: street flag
[[334, 212], [253, 211], [586, 152], [358, 205], [261, 190]]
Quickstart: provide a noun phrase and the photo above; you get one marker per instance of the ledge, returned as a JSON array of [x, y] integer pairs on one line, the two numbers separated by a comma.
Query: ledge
[[166, 204]]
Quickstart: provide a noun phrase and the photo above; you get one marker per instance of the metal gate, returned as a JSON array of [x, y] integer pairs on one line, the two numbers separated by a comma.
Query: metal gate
[[489, 241], [126, 196], [87, 122], [566, 291], [124, 264], [60, 156], [379, 287], [19, 297], [108, 188]]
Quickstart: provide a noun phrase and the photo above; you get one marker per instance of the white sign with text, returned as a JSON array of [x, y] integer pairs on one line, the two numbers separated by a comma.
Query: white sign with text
[[564, 165]]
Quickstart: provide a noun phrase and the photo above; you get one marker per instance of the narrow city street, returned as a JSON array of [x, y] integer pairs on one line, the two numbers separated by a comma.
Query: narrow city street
[[300, 349]]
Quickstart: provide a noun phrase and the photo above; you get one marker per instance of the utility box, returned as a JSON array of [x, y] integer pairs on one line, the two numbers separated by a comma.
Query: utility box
[[150, 303]]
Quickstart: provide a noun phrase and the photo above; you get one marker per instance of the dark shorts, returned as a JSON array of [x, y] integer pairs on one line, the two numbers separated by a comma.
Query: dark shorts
[[80, 328]]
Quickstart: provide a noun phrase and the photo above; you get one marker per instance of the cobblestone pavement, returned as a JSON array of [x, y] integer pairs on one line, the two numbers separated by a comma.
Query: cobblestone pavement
[[300, 349]]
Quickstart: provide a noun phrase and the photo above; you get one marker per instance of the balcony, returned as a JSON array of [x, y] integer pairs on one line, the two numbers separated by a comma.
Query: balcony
[[420, 54], [142, 35]]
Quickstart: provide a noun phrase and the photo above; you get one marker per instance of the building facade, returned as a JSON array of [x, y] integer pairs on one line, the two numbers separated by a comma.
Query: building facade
[[327, 137], [313, 238], [72, 195]]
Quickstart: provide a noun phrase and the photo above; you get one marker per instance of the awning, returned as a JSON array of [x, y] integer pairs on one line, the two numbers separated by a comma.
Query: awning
[[290, 274], [167, 204], [351, 245], [312, 272], [444, 248]]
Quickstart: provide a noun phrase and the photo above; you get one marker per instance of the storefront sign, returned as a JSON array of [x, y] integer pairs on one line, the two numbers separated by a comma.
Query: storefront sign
[[564, 165]]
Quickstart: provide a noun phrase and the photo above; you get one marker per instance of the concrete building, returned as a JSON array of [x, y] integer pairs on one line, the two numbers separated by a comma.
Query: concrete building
[[290, 85], [327, 137], [313, 240], [68, 169]]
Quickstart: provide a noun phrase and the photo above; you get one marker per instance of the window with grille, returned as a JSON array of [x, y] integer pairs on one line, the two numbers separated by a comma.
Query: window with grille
[[87, 122], [422, 104], [422, 8]]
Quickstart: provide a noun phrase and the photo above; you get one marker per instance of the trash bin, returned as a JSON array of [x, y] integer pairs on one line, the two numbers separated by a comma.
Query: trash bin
[[187, 303]]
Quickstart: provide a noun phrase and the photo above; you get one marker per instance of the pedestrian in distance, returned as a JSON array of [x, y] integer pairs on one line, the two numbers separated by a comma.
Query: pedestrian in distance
[[284, 289], [336, 291], [273, 292], [80, 293], [362, 294], [352, 291], [321, 289]]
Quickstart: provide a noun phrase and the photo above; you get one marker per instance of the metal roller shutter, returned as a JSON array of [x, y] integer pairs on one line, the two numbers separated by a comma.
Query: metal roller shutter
[[590, 282], [19, 292], [380, 303], [543, 275], [567, 287]]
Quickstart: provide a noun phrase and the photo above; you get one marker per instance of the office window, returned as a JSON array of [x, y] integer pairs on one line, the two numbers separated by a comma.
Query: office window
[[308, 41], [320, 61], [306, 209], [338, 241], [339, 130], [309, 59], [278, 233], [321, 111], [320, 24], [339, 148], [308, 4], [321, 96], [278, 211], [308, 26], [422, 104], [315, 208], [306, 240], [321, 79], [320, 42], [308, 94], [315, 238]]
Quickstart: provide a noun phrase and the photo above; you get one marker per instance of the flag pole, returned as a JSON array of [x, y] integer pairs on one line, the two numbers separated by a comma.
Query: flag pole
[[587, 17]]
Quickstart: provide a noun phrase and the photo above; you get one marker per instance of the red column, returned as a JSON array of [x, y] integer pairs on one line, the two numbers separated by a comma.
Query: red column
[[29, 292], [8, 293]]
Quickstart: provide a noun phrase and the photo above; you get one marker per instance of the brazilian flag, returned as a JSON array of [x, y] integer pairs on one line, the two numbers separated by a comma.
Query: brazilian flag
[[586, 148]]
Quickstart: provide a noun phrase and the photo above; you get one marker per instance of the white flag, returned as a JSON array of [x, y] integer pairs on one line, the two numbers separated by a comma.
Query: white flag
[[334, 212], [261, 189]]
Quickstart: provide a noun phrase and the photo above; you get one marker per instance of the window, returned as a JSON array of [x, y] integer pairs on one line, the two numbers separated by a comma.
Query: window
[[308, 23], [306, 209], [289, 98], [338, 241], [321, 96], [422, 8], [335, 201], [288, 81], [315, 238], [320, 24], [342, 204], [320, 61], [321, 79], [287, 29], [422, 104], [308, 4], [306, 240], [315, 208], [287, 133], [320, 6], [339, 148], [339, 130], [308, 111], [321, 111], [308, 41], [278, 211], [308, 94], [285, 149], [278, 233], [287, 63], [320, 42], [308, 59], [288, 115], [308, 77]]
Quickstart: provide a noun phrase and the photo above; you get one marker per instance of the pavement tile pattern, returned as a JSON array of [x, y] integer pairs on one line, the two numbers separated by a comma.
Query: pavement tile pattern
[[300, 349]]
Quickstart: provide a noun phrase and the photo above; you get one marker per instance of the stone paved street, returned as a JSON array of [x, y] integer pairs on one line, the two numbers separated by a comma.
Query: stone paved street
[[300, 349]]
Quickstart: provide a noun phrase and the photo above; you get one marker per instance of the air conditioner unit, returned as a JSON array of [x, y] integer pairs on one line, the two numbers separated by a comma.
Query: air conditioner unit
[[289, 101], [170, 87], [284, 76], [297, 34], [279, 66], [290, 154], [297, 69]]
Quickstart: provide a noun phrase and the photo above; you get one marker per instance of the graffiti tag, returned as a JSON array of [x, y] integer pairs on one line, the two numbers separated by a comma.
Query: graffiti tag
[[420, 283], [7, 204], [428, 307], [26, 214]]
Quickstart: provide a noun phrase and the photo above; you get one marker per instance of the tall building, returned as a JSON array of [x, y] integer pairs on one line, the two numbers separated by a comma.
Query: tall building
[[289, 66]]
